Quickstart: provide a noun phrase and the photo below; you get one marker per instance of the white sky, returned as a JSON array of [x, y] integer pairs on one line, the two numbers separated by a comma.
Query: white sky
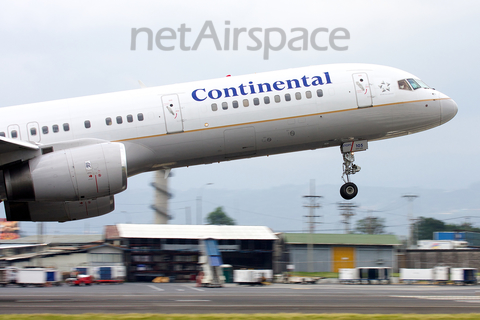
[[59, 49]]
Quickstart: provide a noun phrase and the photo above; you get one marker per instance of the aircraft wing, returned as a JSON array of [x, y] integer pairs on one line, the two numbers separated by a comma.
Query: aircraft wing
[[16, 150], [10, 145]]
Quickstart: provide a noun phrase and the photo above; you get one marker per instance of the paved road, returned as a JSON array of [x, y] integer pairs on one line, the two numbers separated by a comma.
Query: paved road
[[186, 298]]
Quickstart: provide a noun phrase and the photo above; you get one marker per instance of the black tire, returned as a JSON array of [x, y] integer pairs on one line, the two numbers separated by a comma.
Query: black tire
[[348, 191]]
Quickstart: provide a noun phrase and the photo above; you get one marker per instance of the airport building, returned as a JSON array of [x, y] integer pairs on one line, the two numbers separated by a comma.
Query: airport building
[[62, 252], [313, 252], [163, 250]]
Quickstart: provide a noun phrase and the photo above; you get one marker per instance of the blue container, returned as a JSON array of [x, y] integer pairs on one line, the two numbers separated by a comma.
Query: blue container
[[50, 276], [105, 273]]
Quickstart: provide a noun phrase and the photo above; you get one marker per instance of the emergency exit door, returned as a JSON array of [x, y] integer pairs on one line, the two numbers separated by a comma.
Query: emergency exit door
[[172, 113], [363, 91]]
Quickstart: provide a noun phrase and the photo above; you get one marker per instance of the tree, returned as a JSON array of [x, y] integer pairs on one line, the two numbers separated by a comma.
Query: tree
[[371, 225], [219, 217], [425, 227]]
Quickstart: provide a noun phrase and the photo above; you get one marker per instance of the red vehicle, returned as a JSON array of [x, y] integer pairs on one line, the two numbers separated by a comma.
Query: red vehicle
[[81, 279]]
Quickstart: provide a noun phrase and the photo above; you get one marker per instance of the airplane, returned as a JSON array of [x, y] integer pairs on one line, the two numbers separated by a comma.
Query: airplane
[[66, 159]]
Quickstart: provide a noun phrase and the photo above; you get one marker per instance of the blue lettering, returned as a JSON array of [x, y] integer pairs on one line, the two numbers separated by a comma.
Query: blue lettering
[[219, 94], [227, 94], [317, 81], [267, 85], [276, 85], [327, 75], [194, 95], [262, 87], [297, 83]]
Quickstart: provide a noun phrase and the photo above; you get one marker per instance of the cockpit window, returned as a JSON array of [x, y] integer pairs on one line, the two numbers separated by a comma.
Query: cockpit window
[[422, 84], [417, 84], [414, 84], [403, 85], [409, 84]]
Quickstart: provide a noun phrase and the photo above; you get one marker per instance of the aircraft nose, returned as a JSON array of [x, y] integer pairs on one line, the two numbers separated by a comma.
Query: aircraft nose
[[449, 110]]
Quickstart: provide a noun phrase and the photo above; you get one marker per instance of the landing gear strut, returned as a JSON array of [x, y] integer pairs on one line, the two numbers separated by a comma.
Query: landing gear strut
[[349, 190]]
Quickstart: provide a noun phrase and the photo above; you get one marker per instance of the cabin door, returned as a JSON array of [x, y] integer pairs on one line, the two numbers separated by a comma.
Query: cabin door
[[362, 90], [172, 113]]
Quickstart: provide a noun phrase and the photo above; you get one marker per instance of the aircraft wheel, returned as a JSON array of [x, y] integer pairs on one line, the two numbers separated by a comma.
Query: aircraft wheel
[[348, 191]]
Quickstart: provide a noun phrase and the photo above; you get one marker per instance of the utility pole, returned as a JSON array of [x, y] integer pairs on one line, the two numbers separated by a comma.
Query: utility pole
[[40, 231], [188, 216], [199, 204], [312, 206], [412, 233], [347, 212]]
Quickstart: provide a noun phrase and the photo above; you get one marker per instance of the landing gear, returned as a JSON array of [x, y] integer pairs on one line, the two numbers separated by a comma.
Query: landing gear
[[349, 190]]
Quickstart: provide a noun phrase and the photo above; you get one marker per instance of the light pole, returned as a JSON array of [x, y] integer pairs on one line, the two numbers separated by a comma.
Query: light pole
[[199, 203], [411, 239]]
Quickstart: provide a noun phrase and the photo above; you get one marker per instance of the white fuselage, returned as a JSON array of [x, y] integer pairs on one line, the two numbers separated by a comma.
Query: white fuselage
[[176, 125]]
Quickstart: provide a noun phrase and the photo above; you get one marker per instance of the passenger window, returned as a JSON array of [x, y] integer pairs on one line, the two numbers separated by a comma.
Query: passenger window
[[298, 95], [245, 102], [319, 93], [287, 97], [45, 129], [266, 99], [403, 85], [277, 98], [129, 118], [214, 107], [308, 94], [66, 127], [33, 131], [55, 128], [224, 105], [108, 121], [87, 124], [140, 117], [256, 101], [2, 134], [14, 134], [235, 104], [119, 120]]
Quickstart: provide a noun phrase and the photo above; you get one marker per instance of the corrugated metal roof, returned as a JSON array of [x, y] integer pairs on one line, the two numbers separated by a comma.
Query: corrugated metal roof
[[17, 246], [66, 238], [345, 239], [169, 231]]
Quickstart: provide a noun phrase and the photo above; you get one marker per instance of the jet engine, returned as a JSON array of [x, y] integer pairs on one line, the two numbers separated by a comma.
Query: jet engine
[[58, 211], [75, 174]]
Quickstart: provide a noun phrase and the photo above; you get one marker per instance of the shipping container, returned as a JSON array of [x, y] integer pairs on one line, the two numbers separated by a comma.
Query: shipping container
[[411, 275], [464, 275], [252, 277]]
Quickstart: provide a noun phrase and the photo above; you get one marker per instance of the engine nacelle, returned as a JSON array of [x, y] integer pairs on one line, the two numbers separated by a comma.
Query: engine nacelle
[[75, 174], [58, 211]]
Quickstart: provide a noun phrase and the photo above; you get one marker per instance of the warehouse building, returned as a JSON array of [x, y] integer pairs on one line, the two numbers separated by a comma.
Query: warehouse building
[[162, 250], [62, 252], [312, 252]]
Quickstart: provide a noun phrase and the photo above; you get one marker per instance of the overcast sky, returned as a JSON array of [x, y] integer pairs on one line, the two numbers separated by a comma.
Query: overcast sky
[[63, 49]]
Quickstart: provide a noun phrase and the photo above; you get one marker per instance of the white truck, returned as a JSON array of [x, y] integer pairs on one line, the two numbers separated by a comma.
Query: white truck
[[252, 277], [38, 277], [463, 275], [109, 274], [413, 275]]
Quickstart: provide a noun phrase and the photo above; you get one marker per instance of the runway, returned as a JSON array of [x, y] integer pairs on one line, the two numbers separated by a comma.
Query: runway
[[186, 298]]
